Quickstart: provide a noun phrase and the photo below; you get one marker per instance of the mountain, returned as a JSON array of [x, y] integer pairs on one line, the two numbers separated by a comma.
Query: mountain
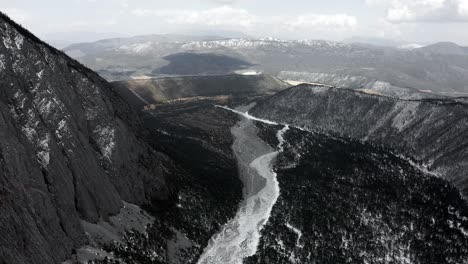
[[406, 68], [358, 83], [430, 131], [349, 201], [61, 40], [380, 42], [445, 48], [81, 170], [215, 32], [411, 46]]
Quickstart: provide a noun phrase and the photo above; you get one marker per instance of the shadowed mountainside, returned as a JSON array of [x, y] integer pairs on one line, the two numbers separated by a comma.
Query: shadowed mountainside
[[200, 64], [164, 89]]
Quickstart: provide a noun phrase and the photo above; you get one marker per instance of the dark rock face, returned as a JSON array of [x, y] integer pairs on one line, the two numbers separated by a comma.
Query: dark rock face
[[70, 149], [431, 131]]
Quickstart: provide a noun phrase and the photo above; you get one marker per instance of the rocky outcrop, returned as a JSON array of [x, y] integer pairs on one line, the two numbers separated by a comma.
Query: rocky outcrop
[[432, 131], [70, 149]]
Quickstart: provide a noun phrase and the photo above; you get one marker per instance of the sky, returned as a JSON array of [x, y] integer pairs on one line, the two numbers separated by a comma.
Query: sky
[[412, 21]]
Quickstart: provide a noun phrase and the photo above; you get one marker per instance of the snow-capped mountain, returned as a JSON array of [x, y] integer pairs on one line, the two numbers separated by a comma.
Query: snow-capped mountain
[[268, 42]]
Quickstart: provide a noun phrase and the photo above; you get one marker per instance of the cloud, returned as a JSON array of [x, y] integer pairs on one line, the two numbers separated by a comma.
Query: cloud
[[224, 1], [219, 16], [314, 20], [425, 11], [124, 3], [230, 17]]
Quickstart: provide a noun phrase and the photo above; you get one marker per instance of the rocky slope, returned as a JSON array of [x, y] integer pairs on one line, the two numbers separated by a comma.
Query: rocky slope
[[432, 131], [164, 89], [71, 149]]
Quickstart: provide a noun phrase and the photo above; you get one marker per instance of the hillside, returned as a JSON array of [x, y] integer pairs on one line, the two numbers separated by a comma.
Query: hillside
[[432, 131], [445, 48], [165, 89]]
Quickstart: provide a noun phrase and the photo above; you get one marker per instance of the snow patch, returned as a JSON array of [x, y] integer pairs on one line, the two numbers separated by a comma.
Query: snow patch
[[298, 234], [106, 140], [136, 47], [405, 115], [19, 40], [2, 63], [62, 131], [40, 74], [265, 42], [44, 154], [7, 42], [411, 46], [248, 73], [248, 116]]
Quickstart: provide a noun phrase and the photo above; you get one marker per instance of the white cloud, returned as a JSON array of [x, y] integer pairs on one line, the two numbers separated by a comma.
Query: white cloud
[[434, 11], [219, 16], [224, 1], [315, 20], [124, 3], [241, 19]]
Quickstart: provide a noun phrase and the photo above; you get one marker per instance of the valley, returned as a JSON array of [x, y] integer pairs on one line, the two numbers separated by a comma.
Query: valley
[[186, 149], [239, 238]]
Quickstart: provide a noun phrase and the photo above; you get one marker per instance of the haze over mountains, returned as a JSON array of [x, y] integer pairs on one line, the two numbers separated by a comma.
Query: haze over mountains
[[439, 68]]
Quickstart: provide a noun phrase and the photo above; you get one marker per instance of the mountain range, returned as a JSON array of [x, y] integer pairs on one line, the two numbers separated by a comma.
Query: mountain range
[[439, 68]]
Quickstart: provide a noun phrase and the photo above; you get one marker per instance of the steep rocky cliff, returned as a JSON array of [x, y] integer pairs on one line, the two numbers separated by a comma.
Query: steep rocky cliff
[[70, 149], [432, 131]]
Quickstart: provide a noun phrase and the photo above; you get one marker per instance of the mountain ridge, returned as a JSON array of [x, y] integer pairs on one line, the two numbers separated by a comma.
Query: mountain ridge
[[429, 130]]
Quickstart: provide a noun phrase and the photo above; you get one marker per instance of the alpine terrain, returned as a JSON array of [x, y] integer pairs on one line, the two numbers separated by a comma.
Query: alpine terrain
[[214, 150]]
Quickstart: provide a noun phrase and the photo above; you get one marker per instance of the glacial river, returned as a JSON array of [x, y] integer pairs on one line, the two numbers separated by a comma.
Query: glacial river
[[239, 238]]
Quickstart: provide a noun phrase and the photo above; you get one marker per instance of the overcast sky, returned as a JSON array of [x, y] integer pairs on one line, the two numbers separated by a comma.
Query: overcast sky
[[417, 21]]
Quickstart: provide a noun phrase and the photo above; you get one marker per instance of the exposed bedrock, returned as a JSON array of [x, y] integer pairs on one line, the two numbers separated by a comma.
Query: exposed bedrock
[[70, 149]]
